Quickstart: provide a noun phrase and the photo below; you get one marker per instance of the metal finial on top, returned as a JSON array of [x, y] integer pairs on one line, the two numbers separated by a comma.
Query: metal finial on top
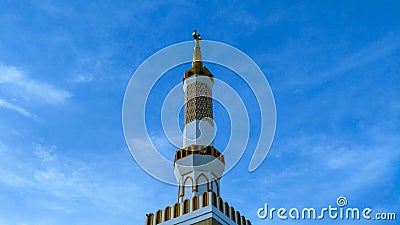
[[197, 61], [196, 36]]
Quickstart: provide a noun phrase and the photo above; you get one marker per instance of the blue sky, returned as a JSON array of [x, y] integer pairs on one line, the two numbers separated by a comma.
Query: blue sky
[[333, 67]]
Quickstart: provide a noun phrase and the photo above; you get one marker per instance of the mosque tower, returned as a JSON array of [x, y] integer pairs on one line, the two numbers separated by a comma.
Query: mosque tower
[[198, 166]]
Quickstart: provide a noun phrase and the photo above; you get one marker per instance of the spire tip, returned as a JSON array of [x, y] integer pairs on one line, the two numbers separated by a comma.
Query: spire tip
[[197, 37]]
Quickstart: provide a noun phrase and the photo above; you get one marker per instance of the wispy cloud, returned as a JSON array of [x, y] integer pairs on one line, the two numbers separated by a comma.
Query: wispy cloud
[[46, 154], [375, 51], [299, 65], [60, 181], [19, 85], [328, 167], [82, 78], [16, 108]]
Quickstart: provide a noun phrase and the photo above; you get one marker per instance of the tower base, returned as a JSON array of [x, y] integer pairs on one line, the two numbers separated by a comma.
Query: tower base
[[206, 209], [208, 215]]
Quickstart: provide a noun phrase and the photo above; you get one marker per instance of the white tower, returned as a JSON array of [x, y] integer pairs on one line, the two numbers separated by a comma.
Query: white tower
[[198, 165]]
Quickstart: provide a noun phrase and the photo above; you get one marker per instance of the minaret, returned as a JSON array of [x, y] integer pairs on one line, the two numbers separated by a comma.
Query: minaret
[[198, 165]]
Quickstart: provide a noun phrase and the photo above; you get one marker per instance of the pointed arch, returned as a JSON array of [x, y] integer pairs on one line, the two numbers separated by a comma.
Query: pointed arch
[[185, 186], [206, 181]]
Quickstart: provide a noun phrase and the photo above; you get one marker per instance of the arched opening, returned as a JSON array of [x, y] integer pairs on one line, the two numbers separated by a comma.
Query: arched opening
[[238, 221], [201, 72], [214, 199], [167, 213], [204, 198], [220, 204], [176, 210], [243, 220], [195, 203], [186, 206], [201, 183], [233, 214], [188, 186], [158, 216], [209, 150], [226, 209]]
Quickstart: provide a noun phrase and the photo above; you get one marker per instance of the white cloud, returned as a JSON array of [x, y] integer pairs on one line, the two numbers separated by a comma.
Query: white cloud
[[57, 178], [363, 165], [366, 55], [375, 51], [24, 87], [12, 179], [316, 169], [82, 78], [16, 108], [46, 154]]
